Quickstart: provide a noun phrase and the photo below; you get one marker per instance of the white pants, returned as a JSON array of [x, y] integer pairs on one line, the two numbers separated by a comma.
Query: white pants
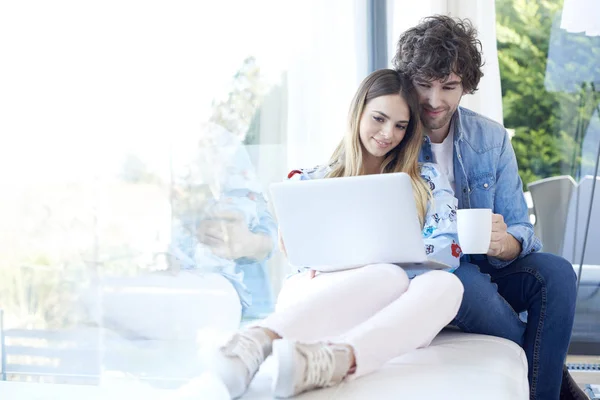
[[376, 309]]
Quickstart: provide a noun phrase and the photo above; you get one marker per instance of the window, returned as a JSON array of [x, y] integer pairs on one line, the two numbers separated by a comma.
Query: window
[[549, 62], [119, 122]]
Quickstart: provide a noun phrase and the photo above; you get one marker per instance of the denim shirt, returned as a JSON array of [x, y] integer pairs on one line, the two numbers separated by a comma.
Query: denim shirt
[[487, 176], [439, 229]]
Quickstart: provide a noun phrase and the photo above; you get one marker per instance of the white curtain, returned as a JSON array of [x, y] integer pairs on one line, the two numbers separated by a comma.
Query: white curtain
[[482, 13], [323, 78]]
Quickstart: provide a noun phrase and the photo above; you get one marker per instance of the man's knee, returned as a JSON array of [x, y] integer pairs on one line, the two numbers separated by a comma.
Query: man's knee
[[479, 292], [483, 310], [557, 274]]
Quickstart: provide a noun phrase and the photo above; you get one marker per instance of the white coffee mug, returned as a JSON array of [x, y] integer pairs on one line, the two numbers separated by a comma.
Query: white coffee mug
[[474, 230]]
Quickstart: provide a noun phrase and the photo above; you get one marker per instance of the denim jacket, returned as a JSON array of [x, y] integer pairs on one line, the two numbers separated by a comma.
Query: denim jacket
[[439, 230], [487, 176]]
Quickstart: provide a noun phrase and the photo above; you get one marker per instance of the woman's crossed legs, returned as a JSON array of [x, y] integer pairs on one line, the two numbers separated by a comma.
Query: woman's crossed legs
[[341, 325]]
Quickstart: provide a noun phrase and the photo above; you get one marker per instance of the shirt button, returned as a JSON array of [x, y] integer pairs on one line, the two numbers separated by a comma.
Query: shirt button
[[459, 156], [485, 185], [465, 190], [427, 157]]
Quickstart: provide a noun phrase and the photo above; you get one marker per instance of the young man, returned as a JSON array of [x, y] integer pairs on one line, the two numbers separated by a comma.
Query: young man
[[443, 58]]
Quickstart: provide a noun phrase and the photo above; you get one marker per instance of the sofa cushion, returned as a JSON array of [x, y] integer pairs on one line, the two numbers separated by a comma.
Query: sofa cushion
[[455, 366]]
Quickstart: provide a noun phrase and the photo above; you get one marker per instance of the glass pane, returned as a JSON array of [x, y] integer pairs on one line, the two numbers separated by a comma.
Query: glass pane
[[550, 69], [139, 144]]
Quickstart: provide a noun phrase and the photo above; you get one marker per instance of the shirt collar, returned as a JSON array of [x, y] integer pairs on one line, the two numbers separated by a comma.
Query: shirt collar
[[458, 126]]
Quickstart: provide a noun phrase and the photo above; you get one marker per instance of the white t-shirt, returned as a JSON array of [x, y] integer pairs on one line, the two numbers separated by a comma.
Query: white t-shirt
[[443, 154]]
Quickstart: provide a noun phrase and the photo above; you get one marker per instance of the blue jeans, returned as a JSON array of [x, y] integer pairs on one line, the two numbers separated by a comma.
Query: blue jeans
[[542, 284]]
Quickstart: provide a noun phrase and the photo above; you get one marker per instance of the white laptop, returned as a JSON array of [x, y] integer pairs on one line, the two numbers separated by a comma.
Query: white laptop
[[341, 223]]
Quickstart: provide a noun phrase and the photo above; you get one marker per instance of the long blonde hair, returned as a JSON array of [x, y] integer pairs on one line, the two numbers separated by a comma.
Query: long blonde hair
[[347, 159]]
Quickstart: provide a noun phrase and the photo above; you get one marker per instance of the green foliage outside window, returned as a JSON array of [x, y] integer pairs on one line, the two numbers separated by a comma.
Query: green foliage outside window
[[548, 116]]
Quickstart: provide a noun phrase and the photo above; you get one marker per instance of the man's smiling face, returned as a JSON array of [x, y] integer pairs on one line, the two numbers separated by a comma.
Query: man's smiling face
[[438, 100]]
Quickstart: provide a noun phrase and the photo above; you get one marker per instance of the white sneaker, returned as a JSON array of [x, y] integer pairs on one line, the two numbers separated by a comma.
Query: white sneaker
[[302, 367], [237, 362]]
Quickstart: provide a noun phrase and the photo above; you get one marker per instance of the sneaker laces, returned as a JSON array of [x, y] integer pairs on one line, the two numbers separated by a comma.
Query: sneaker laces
[[247, 349], [319, 366]]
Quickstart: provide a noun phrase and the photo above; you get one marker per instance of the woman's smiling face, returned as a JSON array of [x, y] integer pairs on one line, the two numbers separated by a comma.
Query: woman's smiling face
[[383, 124]]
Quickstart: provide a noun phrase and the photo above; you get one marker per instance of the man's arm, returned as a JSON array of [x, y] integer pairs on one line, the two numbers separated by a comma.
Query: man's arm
[[518, 239]]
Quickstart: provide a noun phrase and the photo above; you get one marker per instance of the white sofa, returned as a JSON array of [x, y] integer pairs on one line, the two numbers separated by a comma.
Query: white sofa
[[455, 366]]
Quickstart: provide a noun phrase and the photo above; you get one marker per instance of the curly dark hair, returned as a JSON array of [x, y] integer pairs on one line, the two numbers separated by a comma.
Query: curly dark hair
[[438, 46]]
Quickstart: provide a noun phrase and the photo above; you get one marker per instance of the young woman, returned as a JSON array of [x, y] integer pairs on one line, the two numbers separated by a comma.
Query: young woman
[[342, 325]]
